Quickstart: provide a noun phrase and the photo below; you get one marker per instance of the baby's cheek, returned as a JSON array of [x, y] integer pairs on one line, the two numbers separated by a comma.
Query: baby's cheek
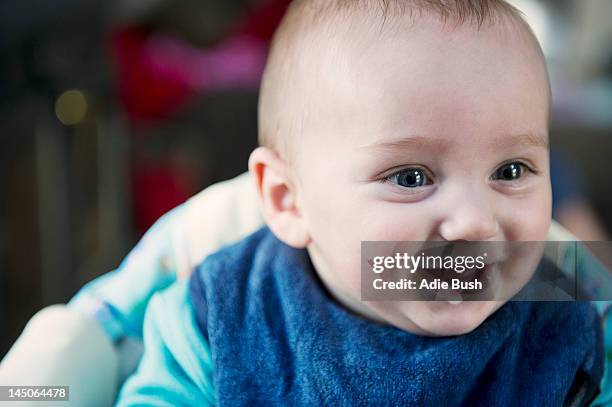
[[396, 222], [531, 221]]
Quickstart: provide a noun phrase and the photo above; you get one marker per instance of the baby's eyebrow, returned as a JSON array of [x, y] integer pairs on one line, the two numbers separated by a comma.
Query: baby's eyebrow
[[416, 142], [535, 140]]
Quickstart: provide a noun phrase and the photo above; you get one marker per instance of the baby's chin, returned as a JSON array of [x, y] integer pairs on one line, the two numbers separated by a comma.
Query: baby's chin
[[442, 318]]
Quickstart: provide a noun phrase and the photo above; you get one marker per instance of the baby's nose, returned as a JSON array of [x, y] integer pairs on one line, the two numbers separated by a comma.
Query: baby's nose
[[469, 218]]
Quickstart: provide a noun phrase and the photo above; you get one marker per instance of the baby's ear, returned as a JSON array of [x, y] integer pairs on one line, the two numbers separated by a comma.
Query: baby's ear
[[277, 194]]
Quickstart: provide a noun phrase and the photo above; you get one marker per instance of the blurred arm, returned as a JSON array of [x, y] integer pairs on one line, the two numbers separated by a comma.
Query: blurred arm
[[61, 347]]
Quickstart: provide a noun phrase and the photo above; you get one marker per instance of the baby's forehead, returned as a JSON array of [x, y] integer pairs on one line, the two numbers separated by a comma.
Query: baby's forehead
[[428, 74]]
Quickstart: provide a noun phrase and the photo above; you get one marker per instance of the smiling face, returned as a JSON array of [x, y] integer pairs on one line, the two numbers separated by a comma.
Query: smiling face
[[439, 134]]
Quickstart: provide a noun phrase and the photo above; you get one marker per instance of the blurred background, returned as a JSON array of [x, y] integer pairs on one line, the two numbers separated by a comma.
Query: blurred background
[[112, 112]]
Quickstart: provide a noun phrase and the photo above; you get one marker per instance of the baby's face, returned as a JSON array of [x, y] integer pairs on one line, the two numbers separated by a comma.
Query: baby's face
[[440, 136]]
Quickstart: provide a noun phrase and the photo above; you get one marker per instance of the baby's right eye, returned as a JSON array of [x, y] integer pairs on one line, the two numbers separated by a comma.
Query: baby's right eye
[[409, 178]]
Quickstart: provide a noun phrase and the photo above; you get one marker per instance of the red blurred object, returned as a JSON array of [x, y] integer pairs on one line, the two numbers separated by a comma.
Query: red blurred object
[[158, 75], [156, 190], [146, 93]]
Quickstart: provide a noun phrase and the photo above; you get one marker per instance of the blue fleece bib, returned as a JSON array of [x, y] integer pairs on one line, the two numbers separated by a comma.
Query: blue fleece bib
[[278, 338]]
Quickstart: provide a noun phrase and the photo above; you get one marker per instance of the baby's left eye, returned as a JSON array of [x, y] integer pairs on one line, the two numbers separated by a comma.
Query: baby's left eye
[[410, 178], [509, 172]]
